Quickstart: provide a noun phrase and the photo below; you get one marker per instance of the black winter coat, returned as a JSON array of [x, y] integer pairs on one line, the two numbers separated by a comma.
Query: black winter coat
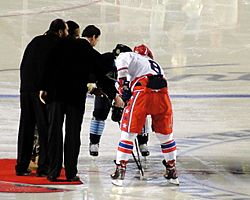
[[68, 71], [34, 61]]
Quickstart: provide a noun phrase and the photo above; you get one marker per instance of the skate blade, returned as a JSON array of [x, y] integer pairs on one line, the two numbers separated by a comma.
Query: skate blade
[[117, 182], [174, 181]]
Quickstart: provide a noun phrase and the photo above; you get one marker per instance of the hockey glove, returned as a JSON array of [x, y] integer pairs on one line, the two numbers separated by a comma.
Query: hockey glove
[[126, 91], [116, 113]]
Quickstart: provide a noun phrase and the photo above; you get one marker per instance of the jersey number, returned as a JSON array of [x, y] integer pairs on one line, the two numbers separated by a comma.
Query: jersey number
[[155, 67]]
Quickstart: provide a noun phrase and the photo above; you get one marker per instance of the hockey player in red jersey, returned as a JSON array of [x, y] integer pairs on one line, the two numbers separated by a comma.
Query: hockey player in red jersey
[[149, 96]]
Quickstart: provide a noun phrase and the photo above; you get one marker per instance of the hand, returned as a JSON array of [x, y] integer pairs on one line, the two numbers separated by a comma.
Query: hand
[[42, 96], [118, 102], [91, 87]]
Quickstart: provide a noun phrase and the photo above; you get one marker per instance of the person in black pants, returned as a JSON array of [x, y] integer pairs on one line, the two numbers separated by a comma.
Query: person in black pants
[[33, 112], [64, 91]]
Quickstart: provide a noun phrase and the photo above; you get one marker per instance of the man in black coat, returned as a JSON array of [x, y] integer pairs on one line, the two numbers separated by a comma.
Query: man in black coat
[[33, 112], [64, 91]]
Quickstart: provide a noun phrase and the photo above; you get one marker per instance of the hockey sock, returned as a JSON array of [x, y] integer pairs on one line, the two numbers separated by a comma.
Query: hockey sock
[[96, 130], [125, 146], [168, 146]]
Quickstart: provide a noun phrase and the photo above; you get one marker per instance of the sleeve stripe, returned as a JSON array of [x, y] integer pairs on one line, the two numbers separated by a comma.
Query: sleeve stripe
[[123, 68]]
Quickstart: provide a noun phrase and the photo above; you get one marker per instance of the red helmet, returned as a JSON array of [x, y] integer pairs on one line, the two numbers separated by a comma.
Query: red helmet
[[143, 50]]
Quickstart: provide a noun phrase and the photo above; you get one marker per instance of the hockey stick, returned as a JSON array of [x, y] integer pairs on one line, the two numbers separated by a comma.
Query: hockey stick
[[138, 163], [137, 150]]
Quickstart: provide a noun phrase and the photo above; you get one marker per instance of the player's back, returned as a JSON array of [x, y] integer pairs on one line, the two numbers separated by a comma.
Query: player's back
[[138, 65]]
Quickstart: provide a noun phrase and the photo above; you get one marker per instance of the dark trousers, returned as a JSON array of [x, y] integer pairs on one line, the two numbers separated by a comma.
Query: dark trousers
[[73, 115], [33, 113]]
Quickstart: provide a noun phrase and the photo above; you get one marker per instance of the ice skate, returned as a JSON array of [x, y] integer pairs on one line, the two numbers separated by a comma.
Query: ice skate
[[171, 173], [119, 174], [144, 150], [93, 149]]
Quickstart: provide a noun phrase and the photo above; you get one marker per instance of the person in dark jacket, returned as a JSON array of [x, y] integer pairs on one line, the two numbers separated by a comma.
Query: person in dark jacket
[[64, 91], [33, 112]]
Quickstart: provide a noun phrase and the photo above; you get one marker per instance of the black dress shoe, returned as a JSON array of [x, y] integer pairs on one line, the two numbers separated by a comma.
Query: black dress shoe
[[73, 179], [26, 172], [41, 173], [52, 178]]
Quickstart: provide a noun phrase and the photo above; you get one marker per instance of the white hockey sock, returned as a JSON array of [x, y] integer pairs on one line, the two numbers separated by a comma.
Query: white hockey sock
[[125, 146], [168, 146]]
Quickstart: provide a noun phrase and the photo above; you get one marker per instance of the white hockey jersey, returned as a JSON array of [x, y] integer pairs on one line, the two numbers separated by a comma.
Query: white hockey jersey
[[133, 65]]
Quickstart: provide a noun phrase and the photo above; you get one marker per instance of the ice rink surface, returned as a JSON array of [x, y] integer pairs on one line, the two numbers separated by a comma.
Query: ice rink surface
[[204, 47]]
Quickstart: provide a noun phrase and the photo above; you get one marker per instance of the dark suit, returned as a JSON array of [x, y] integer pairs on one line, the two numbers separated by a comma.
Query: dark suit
[[33, 112], [66, 83]]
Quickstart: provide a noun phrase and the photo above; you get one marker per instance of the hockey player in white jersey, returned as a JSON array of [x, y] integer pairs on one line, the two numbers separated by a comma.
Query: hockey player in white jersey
[[102, 104], [149, 97]]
